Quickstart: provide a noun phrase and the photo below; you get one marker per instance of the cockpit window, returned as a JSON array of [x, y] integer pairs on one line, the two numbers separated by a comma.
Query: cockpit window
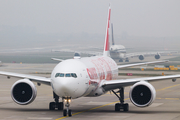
[[61, 75], [57, 75], [74, 75], [66, 75]]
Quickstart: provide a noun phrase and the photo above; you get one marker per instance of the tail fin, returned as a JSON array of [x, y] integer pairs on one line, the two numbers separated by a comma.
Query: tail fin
[[112, 34], [106, 44]]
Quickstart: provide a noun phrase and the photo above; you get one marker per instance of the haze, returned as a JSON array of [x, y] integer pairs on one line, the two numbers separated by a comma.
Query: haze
[[47, 22]]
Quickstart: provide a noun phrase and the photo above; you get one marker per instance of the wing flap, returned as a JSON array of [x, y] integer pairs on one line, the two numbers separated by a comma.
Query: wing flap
[[38, 79]]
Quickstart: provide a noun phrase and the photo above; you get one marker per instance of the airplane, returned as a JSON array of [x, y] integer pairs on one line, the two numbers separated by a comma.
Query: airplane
[[87, 77], [119, 52]]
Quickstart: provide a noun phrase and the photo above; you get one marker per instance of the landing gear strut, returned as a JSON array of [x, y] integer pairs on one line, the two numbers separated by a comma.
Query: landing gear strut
[[56, 104], [121, 105], [67, 111]]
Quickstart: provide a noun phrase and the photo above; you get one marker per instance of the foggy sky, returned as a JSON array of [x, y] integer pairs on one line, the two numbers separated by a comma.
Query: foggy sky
[[157, 18]]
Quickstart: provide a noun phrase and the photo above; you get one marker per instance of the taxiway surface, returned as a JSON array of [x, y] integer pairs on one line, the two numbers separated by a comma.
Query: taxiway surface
[[166, 105]]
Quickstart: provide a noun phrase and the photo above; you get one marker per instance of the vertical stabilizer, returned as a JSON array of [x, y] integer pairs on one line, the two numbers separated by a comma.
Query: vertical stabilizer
[[106, 43], [112, 34]]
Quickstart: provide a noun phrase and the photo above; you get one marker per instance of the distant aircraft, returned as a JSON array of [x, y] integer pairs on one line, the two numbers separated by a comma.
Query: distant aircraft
[[86, 77], [119, 52]]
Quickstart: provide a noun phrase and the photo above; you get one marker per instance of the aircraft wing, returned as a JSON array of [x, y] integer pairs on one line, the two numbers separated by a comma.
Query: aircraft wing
[[114, 84], [37, 79], [138, 64], [130, 55]]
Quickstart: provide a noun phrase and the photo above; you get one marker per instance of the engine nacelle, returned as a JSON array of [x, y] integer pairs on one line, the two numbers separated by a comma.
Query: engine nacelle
[[157, 56], [141, 57], [23, 92], [142, 94]]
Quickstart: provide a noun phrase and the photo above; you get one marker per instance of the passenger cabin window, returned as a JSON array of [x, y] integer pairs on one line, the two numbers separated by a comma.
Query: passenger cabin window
[[66, 75]]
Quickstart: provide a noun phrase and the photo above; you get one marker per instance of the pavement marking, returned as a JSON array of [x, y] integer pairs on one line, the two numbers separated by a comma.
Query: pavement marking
[[169, 98], [112, 103], [91, 109], [168, 87]]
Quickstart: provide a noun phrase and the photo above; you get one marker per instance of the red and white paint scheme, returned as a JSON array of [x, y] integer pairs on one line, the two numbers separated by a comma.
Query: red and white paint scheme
[[86, 77]]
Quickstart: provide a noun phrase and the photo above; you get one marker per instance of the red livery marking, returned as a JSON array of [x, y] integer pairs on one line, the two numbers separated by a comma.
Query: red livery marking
[[103, 68], [99, 67], [108, 69], [89, 82], [92, 73]]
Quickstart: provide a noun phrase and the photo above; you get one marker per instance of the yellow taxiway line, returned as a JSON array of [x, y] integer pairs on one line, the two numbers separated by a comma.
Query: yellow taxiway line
[[91, 109], [118, 101]]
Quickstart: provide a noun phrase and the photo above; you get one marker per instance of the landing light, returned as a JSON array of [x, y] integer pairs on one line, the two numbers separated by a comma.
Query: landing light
[[67, 100]]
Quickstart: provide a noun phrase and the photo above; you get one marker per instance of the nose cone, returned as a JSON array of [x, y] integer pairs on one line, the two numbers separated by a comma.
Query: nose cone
[[67, 87], [68, 78]]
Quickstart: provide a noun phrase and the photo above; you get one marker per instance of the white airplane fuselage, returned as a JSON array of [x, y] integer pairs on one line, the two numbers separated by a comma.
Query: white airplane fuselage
[[90, 72]]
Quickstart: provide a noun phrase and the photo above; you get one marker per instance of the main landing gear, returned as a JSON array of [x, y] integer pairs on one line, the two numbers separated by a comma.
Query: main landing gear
[[67, 111], [56, 104], [121, 105]]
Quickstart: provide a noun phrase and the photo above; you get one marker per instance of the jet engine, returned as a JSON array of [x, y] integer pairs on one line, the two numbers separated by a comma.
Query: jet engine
[[157, 56], [141, 57], [142, 94], [23, 92]]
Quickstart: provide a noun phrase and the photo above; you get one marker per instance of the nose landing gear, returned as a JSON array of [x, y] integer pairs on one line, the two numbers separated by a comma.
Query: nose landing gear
[[67, 111]]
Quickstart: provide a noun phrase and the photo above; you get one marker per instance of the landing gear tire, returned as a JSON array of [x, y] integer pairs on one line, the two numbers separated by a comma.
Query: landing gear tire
[[69, 113], [67, 102], [60, 106], [124, 107], [64, 112], [52, 106], [117, 107], [56, 104]]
